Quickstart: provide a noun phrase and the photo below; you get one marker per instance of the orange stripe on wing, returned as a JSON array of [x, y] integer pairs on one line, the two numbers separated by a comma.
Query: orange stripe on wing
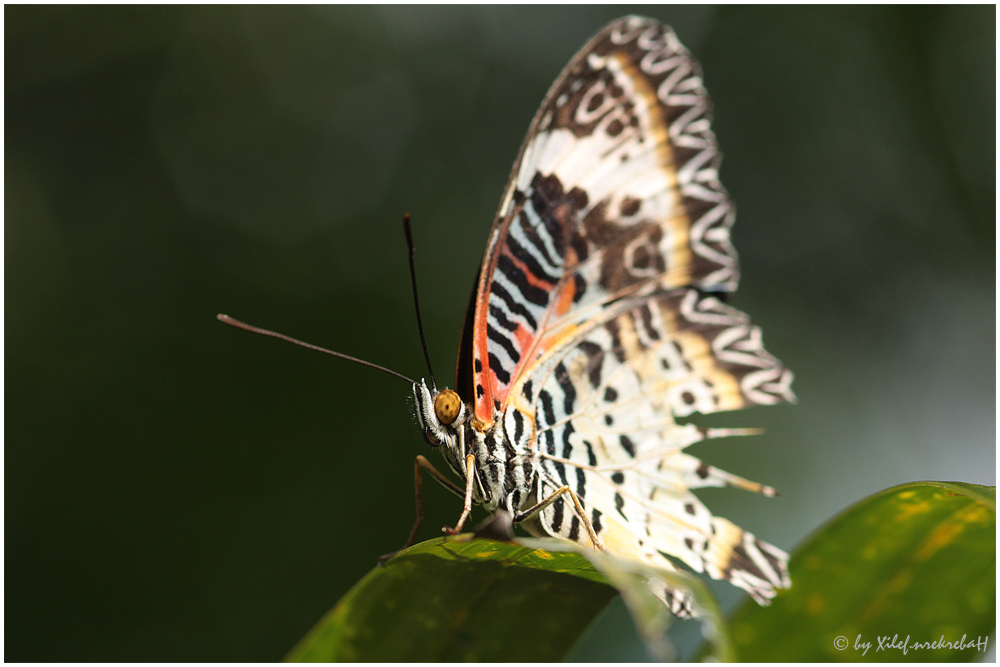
[[493, 389], [532, 279], [480, 350]]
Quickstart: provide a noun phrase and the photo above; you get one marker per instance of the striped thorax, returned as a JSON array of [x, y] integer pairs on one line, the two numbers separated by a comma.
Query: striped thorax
[[502, 474]]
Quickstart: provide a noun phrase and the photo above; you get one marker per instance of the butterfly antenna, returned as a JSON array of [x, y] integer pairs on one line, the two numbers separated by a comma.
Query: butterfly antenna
[[416, 301], [225, 319]]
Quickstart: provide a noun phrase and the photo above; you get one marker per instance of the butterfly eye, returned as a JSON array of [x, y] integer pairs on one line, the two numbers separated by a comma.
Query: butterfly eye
[[447, 405]]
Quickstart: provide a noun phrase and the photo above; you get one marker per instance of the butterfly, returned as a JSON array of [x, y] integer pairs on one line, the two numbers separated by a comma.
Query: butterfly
[[597, 324]]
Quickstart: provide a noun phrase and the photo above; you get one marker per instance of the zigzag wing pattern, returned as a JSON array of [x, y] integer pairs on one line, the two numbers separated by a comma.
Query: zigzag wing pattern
[[615, 193], [604, 412]]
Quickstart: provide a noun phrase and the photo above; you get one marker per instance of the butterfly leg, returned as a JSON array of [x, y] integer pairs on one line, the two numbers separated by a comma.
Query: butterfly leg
[[535, 509], [421, 463], [470, 464]]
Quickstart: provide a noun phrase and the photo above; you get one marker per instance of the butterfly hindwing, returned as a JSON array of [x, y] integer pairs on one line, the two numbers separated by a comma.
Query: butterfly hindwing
[[605, 410]]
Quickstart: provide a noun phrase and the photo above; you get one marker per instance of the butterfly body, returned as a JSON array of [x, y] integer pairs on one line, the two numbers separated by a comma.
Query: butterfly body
[[597, 323], [503, 474]]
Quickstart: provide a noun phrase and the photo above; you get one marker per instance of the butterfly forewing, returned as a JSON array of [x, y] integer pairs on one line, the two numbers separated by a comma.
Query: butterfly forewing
[[615, 193], [593, 328]]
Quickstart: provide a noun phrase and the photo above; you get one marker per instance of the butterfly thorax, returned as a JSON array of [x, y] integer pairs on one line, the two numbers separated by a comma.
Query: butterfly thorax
[[503, 474]]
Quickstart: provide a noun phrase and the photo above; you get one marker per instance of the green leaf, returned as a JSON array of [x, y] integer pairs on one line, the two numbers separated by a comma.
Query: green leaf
[[451, 599], [916, 563], [635, 581], [464, 599]]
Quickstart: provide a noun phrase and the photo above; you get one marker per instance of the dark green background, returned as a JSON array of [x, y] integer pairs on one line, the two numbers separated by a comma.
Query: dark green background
[[178, 490]]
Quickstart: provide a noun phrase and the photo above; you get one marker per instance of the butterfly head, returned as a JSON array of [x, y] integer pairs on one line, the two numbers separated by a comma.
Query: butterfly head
[[440, 414]]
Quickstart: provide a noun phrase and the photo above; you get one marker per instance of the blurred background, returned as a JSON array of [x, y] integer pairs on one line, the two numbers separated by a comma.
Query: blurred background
[[177, 490]]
